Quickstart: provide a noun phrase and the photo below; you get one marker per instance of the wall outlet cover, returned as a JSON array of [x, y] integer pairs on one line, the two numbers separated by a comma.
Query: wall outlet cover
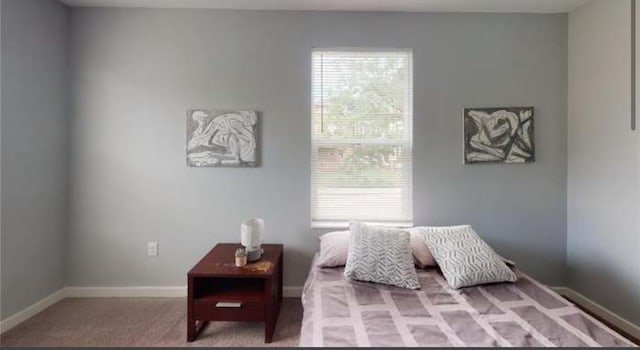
[[152, 249]]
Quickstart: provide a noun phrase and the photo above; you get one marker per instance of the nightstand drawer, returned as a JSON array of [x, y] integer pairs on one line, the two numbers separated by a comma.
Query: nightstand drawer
[[247, 311]]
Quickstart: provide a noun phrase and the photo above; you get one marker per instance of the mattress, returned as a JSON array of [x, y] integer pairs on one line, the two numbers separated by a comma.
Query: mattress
[[340, 312]]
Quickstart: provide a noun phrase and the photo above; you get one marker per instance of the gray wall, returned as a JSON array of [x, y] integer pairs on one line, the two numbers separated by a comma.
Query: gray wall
[[136, 71], [35, 106], [604, 160]]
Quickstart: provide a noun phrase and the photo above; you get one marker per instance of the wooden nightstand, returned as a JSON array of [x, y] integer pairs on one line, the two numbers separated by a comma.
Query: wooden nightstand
[[220, 291]]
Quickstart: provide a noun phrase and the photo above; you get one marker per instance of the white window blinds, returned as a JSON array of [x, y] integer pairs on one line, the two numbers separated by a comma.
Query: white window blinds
[[361, 137]]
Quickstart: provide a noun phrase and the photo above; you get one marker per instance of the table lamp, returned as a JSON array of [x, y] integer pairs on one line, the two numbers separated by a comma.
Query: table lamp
[[251, 237]]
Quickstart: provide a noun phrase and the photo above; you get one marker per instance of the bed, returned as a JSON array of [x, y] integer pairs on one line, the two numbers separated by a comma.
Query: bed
[[340, 312]]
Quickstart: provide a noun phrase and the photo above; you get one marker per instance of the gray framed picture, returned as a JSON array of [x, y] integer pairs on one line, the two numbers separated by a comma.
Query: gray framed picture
[[499, 135], [222, 138]]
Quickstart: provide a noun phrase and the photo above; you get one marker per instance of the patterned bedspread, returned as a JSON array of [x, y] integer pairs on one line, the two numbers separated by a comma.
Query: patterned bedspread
[[339, 312]]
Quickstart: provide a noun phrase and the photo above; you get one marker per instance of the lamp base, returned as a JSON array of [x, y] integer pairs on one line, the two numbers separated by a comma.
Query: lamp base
[[254, 255]]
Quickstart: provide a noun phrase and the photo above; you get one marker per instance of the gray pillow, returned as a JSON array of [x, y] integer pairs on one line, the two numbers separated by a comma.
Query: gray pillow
[[464, 258], [381, 255]]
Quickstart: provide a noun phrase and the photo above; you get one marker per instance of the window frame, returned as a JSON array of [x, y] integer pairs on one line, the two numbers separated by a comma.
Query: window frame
[[405, 143]]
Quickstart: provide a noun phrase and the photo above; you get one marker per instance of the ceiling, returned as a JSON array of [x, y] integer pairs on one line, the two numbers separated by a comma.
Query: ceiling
[[519, 6]]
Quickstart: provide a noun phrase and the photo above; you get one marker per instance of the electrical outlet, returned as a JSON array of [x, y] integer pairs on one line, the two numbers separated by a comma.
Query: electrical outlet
[[152, 249]]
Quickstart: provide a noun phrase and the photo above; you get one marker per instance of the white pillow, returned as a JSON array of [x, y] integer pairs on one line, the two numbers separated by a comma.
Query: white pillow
[[334, 249], [381, 255], [464, 258], [421, 254]]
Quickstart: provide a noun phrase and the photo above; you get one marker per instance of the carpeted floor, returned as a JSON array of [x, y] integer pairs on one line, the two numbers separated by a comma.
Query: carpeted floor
[[143, 322]]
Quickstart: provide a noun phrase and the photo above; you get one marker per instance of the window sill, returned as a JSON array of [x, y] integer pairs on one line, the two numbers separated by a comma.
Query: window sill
[[345, 224]]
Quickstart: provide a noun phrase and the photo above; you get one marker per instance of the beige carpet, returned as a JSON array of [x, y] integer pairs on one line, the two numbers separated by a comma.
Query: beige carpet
[[143, 322]]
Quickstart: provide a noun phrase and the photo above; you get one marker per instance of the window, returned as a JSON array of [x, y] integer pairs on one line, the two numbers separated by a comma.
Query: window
[[361, 137]]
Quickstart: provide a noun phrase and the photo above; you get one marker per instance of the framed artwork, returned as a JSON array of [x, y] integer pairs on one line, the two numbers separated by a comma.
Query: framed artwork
[[499, 135], [220, 138]]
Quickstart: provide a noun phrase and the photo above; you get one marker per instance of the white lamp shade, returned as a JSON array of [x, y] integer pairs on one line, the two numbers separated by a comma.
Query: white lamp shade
[[251, 232]]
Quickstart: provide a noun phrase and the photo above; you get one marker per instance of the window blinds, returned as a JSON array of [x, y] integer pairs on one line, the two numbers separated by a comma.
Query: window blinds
[[361, 137]]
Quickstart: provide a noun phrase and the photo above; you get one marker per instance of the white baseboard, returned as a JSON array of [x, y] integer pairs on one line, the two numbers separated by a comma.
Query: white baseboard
[[292, 292], [597, 309], [148, 292], [31, 310], [126, 292], [108, 292]]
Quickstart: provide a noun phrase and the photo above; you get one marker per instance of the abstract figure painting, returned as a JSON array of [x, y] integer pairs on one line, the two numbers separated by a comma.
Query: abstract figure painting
[[217, 138], [499, 135]]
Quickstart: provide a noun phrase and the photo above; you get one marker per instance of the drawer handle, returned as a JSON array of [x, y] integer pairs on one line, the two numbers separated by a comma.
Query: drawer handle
[[228, 304]]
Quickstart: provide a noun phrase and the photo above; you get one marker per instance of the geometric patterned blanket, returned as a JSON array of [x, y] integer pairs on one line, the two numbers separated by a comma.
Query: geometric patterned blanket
[[341, 312]]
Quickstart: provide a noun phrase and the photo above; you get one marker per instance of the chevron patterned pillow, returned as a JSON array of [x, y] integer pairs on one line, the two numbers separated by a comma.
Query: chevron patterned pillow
[[381, 255], [464, 258]]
